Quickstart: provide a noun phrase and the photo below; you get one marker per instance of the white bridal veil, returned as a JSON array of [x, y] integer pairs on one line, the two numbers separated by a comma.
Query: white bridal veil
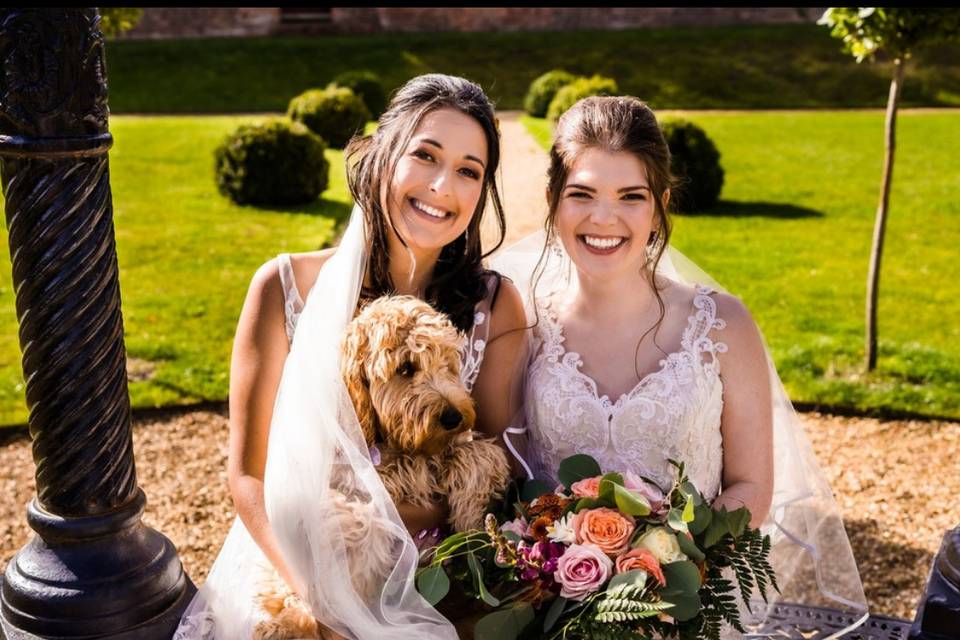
[[811, 553], [316, 448]]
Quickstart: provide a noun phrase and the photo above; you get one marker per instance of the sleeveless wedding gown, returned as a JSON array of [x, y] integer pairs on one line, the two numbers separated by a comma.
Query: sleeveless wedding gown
[[672, 413]]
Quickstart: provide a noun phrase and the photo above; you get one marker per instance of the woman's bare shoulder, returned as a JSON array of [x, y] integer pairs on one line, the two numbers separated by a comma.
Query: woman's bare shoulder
[[306, 266]]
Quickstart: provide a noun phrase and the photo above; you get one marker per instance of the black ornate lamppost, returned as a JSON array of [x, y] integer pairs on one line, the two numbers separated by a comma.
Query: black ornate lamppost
[[93, 570]]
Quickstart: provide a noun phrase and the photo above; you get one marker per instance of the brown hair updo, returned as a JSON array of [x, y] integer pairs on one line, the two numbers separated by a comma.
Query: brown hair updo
[[458, 281], [614, 124]]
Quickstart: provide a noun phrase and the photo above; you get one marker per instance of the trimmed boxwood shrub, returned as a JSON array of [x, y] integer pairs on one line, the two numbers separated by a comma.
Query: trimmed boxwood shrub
[[334, 114], [278, 162], [580, 88], [368, 86], [543, 89], [696, 164]]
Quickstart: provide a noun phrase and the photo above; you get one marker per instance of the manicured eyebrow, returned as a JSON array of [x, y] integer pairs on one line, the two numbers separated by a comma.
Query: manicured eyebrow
[[580, 186], [440, 146], [636, 188]]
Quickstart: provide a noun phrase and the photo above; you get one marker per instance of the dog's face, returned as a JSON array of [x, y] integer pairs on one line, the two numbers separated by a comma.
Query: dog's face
[[401, 363]]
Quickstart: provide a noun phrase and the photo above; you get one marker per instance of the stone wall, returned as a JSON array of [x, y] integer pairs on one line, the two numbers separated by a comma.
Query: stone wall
[[252, 21]]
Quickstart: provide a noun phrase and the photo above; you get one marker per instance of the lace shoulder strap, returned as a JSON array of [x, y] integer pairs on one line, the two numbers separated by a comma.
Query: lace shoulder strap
[[702, 321], [292, 303], [479, 333]]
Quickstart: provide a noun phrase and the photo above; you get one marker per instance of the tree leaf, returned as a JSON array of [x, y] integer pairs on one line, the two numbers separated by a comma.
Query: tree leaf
[[505, 624], [577, 467], [554, 612], [477, 572], [433, 584]]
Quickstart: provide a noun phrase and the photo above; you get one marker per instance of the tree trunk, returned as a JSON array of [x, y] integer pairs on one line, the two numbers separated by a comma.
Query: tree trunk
[[876, 253]]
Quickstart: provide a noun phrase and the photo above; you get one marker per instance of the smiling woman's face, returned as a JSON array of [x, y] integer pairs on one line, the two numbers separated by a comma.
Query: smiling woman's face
[[606, 214], [438, 180]]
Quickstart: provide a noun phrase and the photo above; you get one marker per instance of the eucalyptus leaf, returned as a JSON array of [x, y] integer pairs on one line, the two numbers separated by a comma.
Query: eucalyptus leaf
[[577, 467], [433, 584], [586, 503], [477, 572], [688, 489], [630, 503], [636, 577], [675, 521], [505, 624], [683, 584], [702, 515], [554, 612], [688, 513], [689, 548]]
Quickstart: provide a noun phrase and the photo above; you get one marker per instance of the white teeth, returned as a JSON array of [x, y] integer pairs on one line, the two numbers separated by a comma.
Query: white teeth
[[603, 243], [432, 211]]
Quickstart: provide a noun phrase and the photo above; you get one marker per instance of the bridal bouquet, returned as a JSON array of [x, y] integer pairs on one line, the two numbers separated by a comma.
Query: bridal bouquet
[[604, 556]]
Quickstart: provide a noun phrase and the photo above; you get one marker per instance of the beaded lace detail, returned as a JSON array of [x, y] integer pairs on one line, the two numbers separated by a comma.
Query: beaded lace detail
[[672, 413], [471, 355]]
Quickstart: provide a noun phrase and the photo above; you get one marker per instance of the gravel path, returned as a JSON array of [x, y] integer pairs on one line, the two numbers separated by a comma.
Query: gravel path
[[896, 481]]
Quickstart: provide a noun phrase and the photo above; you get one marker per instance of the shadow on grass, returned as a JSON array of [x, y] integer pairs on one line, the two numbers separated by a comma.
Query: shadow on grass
[[335, 209], [740, 209]]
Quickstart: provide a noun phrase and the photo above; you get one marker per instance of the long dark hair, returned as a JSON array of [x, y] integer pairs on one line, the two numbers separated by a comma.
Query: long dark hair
[[459, 278], [614, 124]]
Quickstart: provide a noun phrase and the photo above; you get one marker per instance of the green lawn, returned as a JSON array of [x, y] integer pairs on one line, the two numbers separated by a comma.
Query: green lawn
[[792, 237], [186, 258], [781, 66]]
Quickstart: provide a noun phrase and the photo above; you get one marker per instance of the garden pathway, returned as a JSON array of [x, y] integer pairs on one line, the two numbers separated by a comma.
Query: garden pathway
[[523, 179]]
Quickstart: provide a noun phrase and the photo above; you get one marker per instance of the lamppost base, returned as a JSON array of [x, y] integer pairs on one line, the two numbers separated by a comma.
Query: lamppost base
[[103, 576]]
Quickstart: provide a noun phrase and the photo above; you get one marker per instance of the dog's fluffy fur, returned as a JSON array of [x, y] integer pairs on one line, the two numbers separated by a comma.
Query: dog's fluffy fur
[[401, 366]]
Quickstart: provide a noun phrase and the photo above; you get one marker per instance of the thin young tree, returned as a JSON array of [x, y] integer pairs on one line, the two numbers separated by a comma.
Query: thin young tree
[[894, 32]]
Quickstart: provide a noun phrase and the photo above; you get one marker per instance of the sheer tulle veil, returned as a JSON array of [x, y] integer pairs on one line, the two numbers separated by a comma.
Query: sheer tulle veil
[[316, 448], [811, 552]]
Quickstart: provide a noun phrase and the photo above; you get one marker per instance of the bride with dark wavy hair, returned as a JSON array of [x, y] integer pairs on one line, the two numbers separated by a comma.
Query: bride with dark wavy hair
[[421, 183]]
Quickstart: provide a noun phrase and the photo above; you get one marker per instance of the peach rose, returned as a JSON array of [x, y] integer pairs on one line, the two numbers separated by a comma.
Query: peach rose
[[587, 488], [641, 559], [607, 528]]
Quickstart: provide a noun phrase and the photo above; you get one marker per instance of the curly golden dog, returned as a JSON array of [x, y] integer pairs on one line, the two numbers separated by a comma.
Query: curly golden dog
[[401, 366]]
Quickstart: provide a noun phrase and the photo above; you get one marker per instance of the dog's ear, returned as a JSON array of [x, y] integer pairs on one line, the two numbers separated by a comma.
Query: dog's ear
[[356, 351]]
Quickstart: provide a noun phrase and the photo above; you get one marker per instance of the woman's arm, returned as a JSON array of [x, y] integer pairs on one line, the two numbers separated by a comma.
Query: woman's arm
[[498, 389], [260, 349], [747, 419]]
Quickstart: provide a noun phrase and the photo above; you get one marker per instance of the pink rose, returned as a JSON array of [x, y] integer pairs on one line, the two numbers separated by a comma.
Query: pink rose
[[587, 488], [640, 486], [607, 528], [582, 570]]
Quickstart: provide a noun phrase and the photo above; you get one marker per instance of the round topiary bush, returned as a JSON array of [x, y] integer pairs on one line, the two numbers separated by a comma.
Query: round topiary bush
[[278, 162], [580, 88], [695, 162], [334, 114], [543, 89], [368, 86]]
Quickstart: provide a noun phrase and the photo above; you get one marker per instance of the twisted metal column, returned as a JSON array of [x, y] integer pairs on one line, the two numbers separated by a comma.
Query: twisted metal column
[[93, 569]]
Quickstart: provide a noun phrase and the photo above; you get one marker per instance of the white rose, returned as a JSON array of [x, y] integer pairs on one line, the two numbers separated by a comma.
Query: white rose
[[661, 543]]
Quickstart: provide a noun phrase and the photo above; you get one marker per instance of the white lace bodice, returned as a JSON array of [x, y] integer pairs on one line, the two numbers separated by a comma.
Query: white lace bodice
[[672, 413], [473, 346]]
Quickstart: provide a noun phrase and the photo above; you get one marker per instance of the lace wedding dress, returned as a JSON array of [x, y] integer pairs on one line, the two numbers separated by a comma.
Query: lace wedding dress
[[672, 413]]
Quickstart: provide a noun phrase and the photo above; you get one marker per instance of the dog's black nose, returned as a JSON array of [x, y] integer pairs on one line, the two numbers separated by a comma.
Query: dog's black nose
[[451, 419]]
